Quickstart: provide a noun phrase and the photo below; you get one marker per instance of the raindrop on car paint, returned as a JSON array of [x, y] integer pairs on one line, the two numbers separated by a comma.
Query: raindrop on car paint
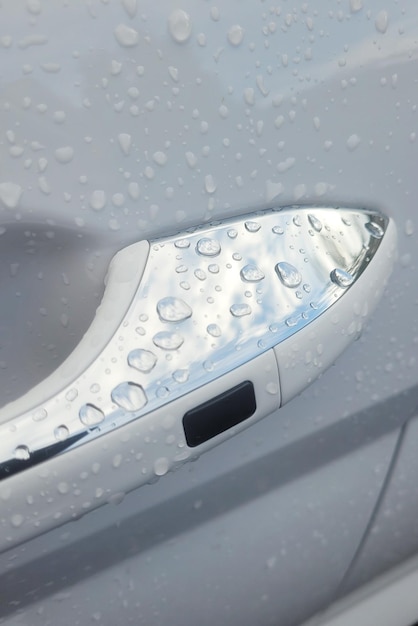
[[208, 247], [130, 7], [235, 35], [356, 5], [126, 36], [288, 274], [315, 223], [91, 415], [173, 309], [237, 256], [22, 453], [232, 233], [251, 274], [210, 184], [168, 340], [213, 268], [125, 142], [142, 360], [98, 199], [382, 21], [341, 278], [17, 520], [375, 230], [297, 221], [161, 466], [64, 154], [214, 330], [10, 194], [240, 310], [129, 396], [180, 25]]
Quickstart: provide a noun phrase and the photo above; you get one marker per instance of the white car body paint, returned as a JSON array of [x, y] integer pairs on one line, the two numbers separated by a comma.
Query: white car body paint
[[123, 121]]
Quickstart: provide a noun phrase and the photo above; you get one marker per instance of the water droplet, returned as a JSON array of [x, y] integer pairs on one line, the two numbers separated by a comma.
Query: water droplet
[[346, 221], [200, 274], [130, 7], [315, 223], [251, 274], [236, 256], [180, 269], [168, 340], [191, 159], [232, 233], [353, 141], [297, 221], [39, 415], [291, 321], [341, 278], [64, 154], [214, 330], [272, 388], [17, 520], [180, 25], [173, 309], [129, 396], [375, 230], [181, 376], [71, 394], [22, 453], [210, 184], [278, 230], [235, 35], [98, 200], [125, 142], [61, 433], [182, 243], [409, 228], [126, 36], [239, 310], [208, 247], [252, 227], [185, 285], [90, 415], [161, 466], [160, 158], [10, 194], [382, 21], [142, 360], [162, 392], [208, 365], [213, 268], [288, 274], [356, 5]]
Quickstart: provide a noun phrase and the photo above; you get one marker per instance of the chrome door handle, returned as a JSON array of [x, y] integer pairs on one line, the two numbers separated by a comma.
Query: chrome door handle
[[198, 336]]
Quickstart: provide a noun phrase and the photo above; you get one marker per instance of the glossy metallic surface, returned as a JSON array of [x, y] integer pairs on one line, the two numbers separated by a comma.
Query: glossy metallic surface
[[209, 300]]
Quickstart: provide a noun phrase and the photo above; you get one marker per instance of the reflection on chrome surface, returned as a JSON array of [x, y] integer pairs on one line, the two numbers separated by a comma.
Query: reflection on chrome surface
[[210, 299]]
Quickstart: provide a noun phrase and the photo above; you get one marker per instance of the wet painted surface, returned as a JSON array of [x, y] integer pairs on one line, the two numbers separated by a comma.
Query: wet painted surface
[[157, 116]]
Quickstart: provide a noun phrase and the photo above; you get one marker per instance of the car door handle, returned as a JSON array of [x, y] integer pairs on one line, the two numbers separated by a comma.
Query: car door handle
[[198, 336]]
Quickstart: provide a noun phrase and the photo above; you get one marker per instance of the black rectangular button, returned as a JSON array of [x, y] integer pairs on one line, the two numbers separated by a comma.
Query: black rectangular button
[[219, 414]]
